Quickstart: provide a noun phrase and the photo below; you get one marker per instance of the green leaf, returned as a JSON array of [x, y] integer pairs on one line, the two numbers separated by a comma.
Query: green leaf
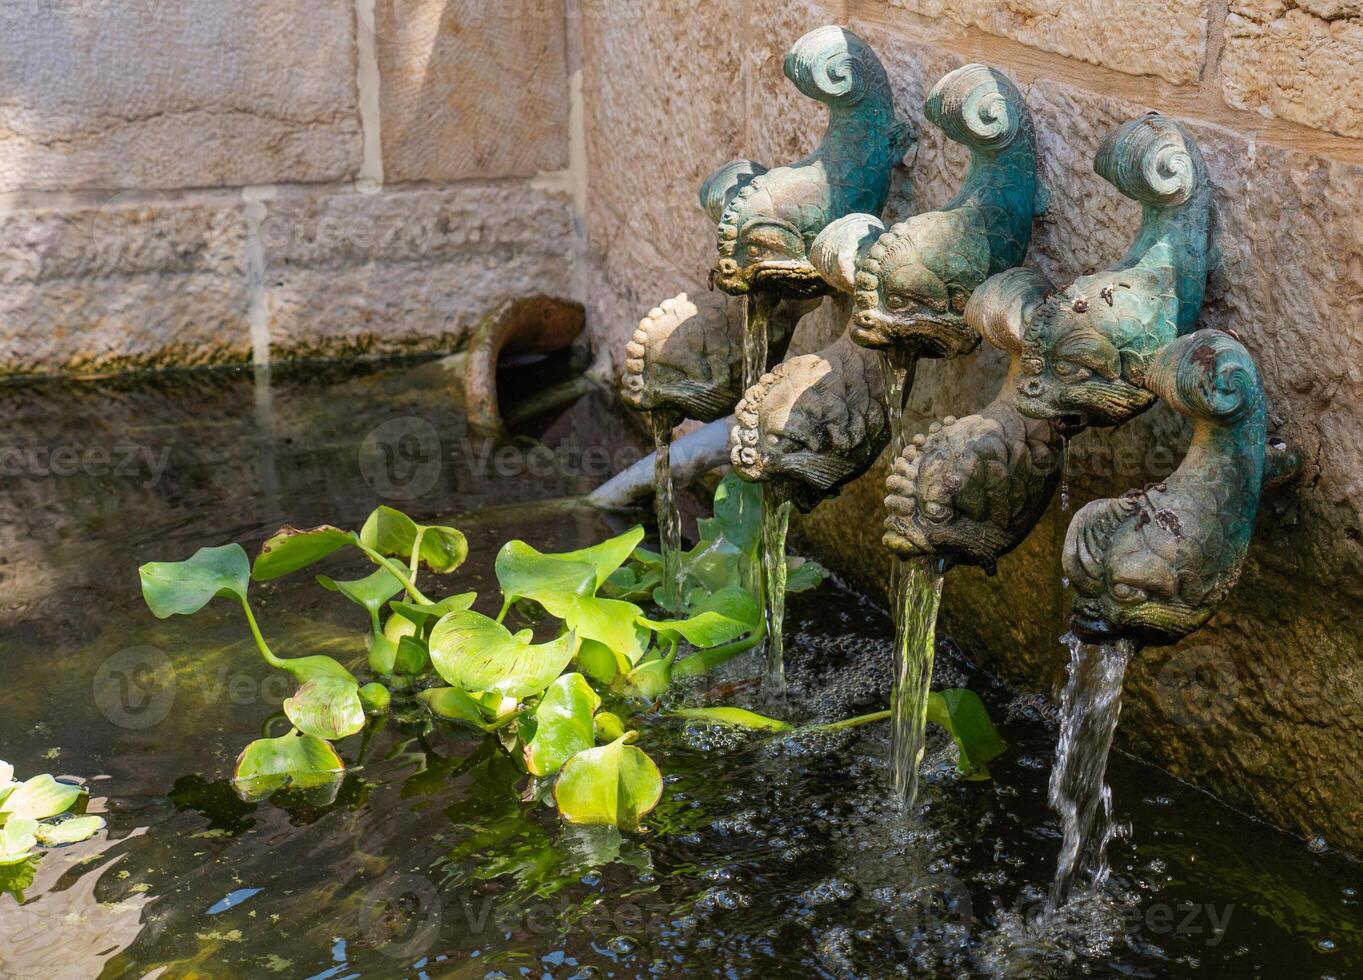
[[607, 556], [302, 762], [39, 798], [611, 784], [418, 614], [289, 549], [626, 583], [736, 717], [452, 704], [71, 831], [803, 574], [963, 715], [724, 616], [376, 698], [17, 840], [305, 669], [475, 653], [609, 621], [600, 662], [651, 678], [391, 532], [647, 558], [525, 573], [182, 588], [383, 655], [326, 707], [738, 511], [17, 878], [372, 591], [563, 724], [412, 657]]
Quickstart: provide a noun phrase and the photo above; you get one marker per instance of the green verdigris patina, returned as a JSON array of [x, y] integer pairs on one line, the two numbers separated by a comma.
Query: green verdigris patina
[[972, 489], [1089, 348], [1153, 564], [815, 422], [686, 358]]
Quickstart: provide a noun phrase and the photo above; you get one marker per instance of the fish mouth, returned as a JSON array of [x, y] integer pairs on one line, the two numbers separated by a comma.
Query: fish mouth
[[791, 278], [925, 334], [1089, 625]]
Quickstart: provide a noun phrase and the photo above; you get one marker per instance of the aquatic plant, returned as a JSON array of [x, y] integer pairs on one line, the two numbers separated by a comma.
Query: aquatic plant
[[564, 698], [36, 813]]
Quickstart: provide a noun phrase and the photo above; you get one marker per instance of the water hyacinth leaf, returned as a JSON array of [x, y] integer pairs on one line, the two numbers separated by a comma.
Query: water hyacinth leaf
[[738, 512], [525, 573], [475, 653], [39, 798], [600, 662], [563, 726], [647, 558], [631, 585], [719, 618], [372, 591], [735, 717], [418, 614], [412, 657], [182, 588], [391, 532], [453, 704], [963, 715], [326, 707], [17, 840], [376, 698], [609, 621], [383, 655], [612, 784], [802, 574], [305, 669], [289, 549], [297, 761], [650, 679], [607, 556], [71, 831]]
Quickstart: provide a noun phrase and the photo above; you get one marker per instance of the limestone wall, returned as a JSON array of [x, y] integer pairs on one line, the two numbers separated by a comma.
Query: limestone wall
[[206, 181], [1265, 706]]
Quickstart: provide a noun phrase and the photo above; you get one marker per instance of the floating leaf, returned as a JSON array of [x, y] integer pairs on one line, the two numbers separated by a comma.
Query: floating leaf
[[629, 584], [600, 662], [17, 878], [418, 614], [412, 657], [302, 762], [963, 715], [611, 784], [736, 717], [305, 669], [376, 698], [71, 831], [802, 574], [609, 621], [453, 704], [17, 840], [651, 678], [724, 616], [525, 573], [391, 532], [607, 556], [326, 707], [563, 724], [39, 798], [289, 549], [182, 588], [647, 558], [372, 591], [475, 653]]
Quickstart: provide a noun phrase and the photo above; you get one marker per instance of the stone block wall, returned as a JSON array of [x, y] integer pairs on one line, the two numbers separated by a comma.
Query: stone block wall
[[209, 182], [1264, 707]]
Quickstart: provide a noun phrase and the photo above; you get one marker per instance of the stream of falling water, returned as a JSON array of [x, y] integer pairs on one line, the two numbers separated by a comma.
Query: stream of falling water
[[898, 370], [775, 523], [756, 324], [1089, 708], [918, 599], [669, 520]]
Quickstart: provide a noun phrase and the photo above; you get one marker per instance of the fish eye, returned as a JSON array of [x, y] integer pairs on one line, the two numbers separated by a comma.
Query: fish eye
[[1128, 593], [935, 511], [1068, 369], [896, 301]]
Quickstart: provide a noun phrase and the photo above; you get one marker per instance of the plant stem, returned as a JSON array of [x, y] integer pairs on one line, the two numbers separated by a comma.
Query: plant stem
[[834, 726], [264, 647], [415, 563], [401, 576], [707, 660], [506, 608]]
